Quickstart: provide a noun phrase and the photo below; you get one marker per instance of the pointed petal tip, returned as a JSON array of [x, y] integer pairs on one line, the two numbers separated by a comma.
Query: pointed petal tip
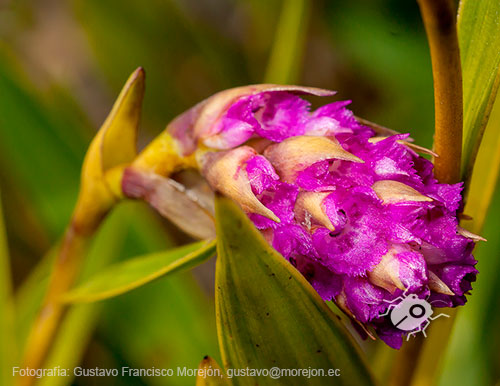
[[139, 72], [391, 192], [386, 273], [437, 285], [258, 208], [137, 78], [419, 149], [274, 217], [464, 232], [225, 173], [309, 205]]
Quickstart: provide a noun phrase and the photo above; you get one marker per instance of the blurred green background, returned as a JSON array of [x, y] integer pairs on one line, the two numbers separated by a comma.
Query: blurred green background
[[62, 65]]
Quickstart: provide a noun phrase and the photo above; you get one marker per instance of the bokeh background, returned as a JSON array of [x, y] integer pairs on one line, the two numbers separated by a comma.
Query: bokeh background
[[62, 64]]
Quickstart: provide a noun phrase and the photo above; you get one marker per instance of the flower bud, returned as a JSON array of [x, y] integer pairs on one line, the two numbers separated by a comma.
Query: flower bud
[[361, 216], [464, 232], [437, 285], [225, 172], [213, 123], [309, 209], [392, 192], [386, 273]]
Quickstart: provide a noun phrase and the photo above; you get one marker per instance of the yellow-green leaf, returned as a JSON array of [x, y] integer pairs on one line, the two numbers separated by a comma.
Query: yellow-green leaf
[[7, 347], [268, 315], [109, 152], [479, 37], [479, 319], [119, 141], [115, 143], [133, 273], [485, 176], [210, 373]]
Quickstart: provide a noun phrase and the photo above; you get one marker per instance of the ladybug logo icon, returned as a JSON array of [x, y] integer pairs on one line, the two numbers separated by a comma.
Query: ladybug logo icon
[[411, 314]]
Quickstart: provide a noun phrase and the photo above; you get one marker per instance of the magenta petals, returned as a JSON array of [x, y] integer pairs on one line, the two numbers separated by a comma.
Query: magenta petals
[[358, 246]]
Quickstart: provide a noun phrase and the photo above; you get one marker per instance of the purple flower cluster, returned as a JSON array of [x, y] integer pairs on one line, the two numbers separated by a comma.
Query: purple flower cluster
[[360, 215]]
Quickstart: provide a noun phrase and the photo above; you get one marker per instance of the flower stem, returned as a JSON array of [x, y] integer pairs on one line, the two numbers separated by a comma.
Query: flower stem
[[67, 266], [439, 17]]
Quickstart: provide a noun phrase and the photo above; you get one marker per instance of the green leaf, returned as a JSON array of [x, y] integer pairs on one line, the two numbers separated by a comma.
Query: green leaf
[[115, 143], [479, 37], [485, 176], [268, 315], [8, 347], [118, 141], [126, 276]]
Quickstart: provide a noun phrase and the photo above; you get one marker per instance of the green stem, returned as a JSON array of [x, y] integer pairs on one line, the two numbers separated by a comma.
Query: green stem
[[439, 17], [66, 268]]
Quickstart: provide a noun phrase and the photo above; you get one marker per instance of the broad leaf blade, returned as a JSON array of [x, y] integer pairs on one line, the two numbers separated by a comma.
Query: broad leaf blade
[[126, 276], [267, 313], [479, 38], [7, 347]]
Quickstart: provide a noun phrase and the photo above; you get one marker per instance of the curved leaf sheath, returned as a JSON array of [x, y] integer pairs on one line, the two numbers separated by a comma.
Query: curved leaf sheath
[[269, 316]]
